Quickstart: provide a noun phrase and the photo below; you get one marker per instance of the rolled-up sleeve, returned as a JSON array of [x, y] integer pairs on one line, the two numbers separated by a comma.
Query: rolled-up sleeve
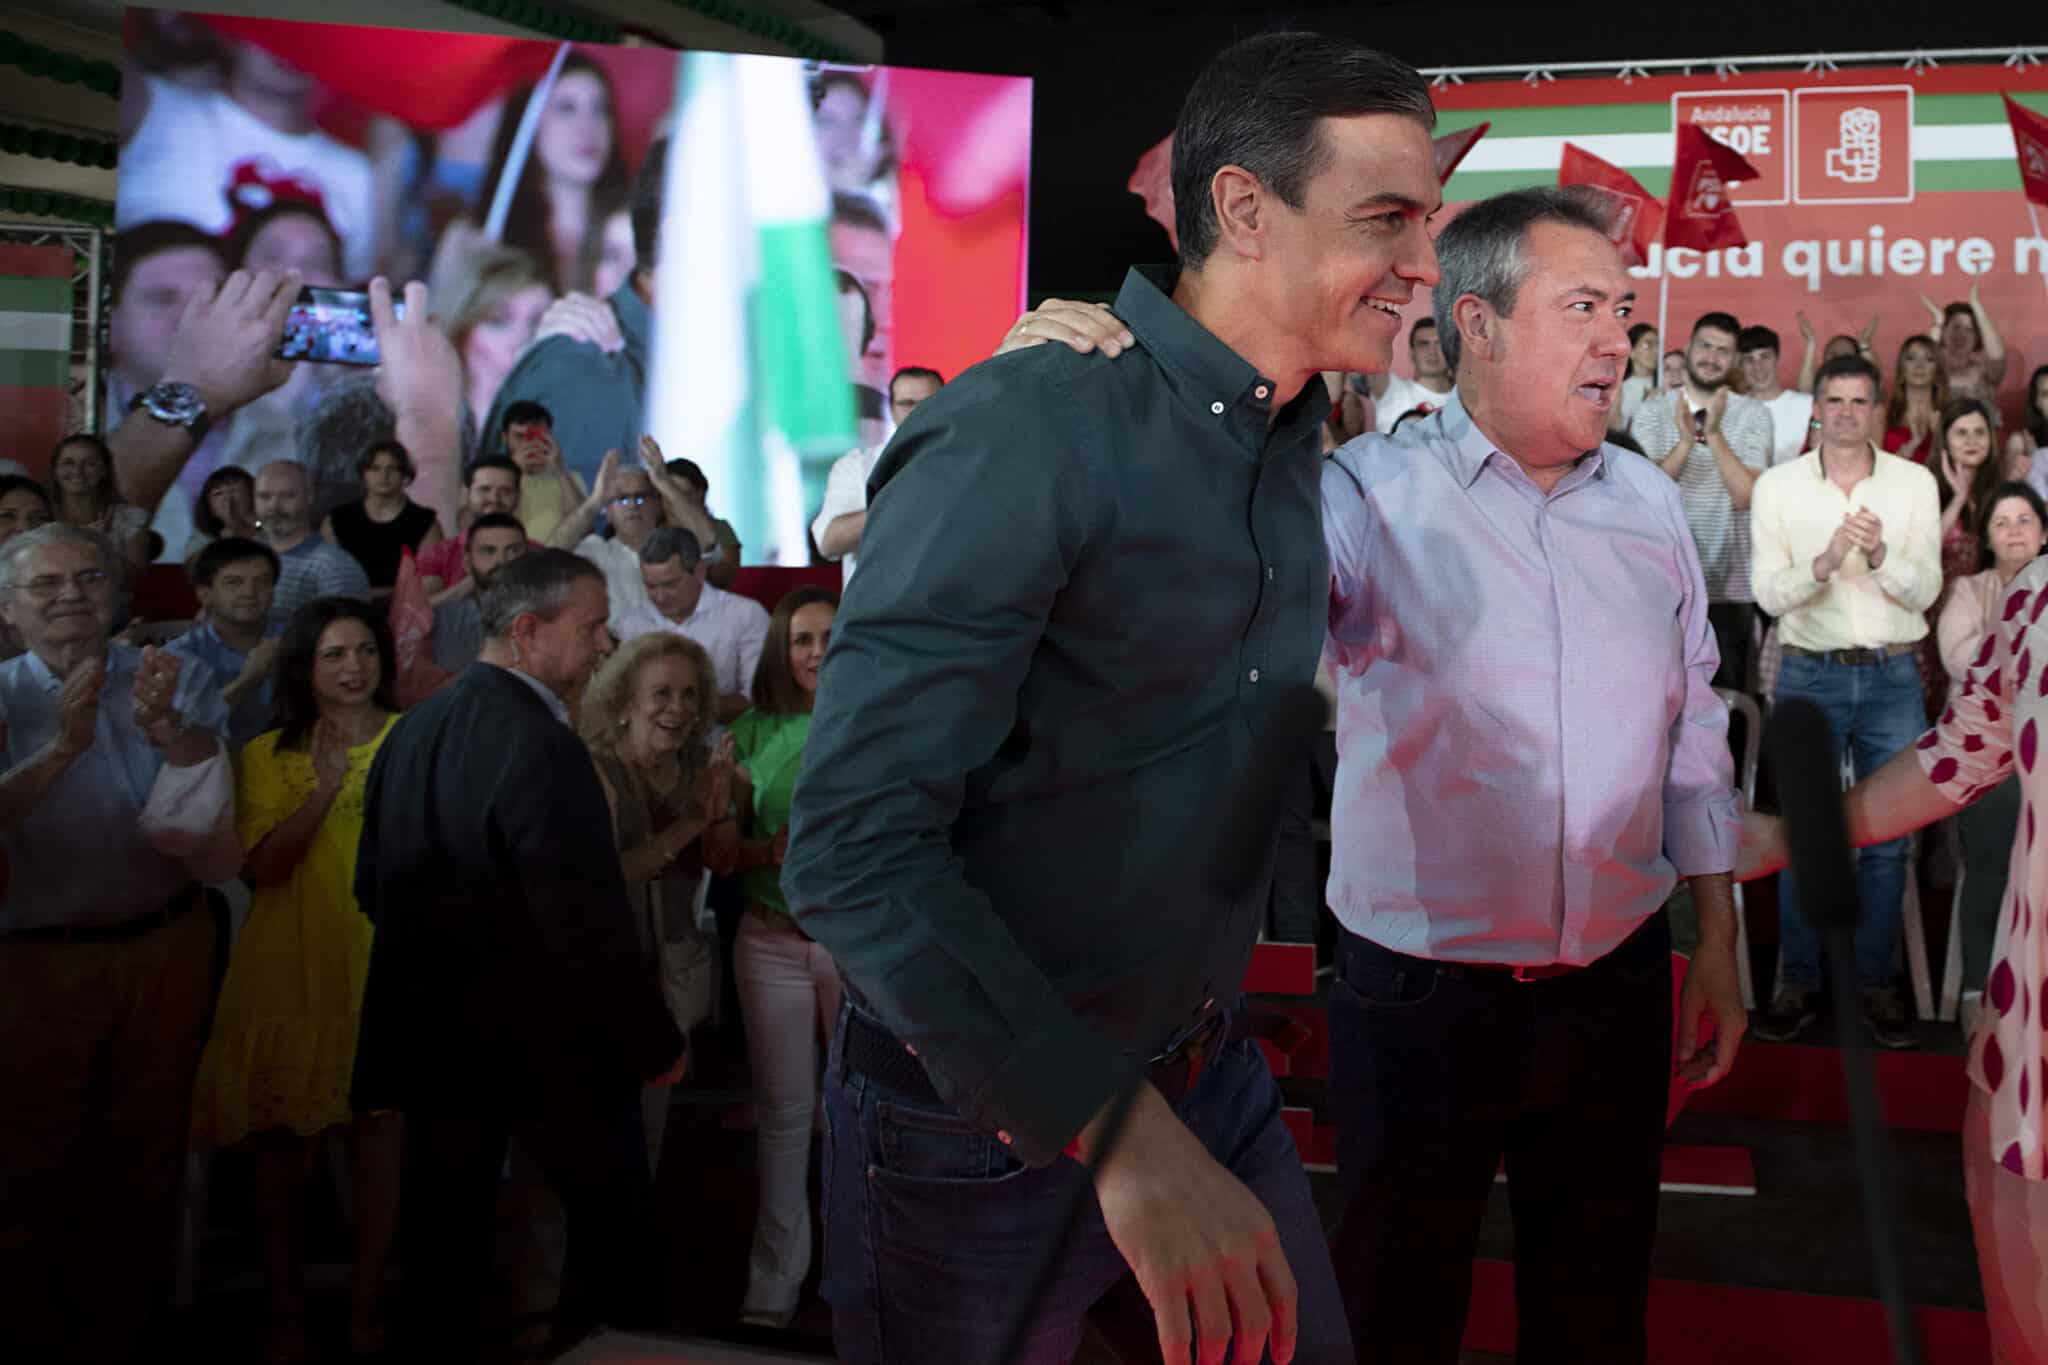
[[1702, 820], [1347, 531], [1776, 576], [976, 521], [1911, 572]]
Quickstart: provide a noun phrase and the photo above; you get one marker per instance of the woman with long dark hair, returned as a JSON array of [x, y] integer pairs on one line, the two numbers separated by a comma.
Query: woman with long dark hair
[[83, 494], [2026, 450], [1965, 475], [1912, 415], [788, 985], [574, 180], [275, 1074]]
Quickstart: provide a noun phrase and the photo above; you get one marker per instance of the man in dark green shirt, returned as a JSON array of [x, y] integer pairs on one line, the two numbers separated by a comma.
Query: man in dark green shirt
[[1084, 588]]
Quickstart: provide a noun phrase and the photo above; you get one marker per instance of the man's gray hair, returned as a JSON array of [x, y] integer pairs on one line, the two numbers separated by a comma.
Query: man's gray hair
[[1480, 251], [536, 583], [348, 420], [671, 542], [20, 547]]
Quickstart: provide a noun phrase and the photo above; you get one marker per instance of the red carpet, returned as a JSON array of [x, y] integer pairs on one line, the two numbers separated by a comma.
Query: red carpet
[[1713, 1324], [1798, 1084]]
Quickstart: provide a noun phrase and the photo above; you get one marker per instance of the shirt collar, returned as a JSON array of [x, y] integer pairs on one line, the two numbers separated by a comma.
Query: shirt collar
[[635, 321], [1468, 449], [556, 707], [1204, 371]]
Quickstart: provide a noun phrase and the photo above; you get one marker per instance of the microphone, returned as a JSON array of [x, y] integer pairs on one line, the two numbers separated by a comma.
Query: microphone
[[1807, 770]]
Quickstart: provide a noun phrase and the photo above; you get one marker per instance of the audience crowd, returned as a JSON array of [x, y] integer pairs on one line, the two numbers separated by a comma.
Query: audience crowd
[[1856, 530]]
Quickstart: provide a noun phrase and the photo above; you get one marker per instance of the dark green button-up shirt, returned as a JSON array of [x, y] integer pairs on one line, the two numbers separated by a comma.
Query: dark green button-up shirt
[[1082, 583]]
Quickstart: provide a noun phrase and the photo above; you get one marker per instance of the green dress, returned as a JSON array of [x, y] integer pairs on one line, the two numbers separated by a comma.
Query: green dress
[[771, 748]]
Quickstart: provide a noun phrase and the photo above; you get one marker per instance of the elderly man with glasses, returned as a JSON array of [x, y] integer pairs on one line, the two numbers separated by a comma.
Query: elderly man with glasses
[[116, 804], [633, 502]]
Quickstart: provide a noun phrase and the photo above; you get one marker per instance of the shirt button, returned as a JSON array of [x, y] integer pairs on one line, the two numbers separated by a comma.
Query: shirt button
[[1269, 573], [1216, 408], [1003, 1136], [1261, 391], [1253, 675]]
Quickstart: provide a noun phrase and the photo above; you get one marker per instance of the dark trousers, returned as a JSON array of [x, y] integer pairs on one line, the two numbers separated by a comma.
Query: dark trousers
[[1734, 625], [1438, 1074], [597, 1166]]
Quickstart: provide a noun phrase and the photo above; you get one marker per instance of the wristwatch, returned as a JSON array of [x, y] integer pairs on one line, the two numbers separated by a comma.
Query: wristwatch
[[174, 404]]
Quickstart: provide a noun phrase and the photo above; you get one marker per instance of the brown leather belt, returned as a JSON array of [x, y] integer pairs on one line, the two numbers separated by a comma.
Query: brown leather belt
[[1876, 654]]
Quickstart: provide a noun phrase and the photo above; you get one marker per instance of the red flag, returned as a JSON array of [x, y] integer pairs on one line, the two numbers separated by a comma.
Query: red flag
[[2030, 140], [1152, 181], [1637, 220], [428, 80], [1699, 213], [412, 635], [1451, 149]]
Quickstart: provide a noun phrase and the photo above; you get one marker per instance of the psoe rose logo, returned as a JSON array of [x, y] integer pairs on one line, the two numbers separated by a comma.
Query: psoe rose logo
[[1858, 158]]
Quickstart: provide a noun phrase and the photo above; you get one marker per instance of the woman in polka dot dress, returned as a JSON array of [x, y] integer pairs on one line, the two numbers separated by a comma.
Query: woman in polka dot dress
[[1996, 721]]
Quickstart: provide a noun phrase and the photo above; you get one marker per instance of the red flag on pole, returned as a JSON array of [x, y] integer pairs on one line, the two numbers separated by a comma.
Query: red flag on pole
[[1699, 213], [1637, 219], [1451, 149], [2030, 140]]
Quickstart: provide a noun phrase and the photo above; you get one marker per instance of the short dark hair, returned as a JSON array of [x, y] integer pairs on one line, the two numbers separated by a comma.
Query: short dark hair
[[537, 582], [644, 205], [405, 464], [1480, 251], [293, 709], [202, 506], [15, 483], [849, 285], [857, 210], [232, 550], [672, 542], [245, 231], [1719, 322], [775, 690], [525, 410], [1848, 366], [1424, 321], [915, 372], [1756, 338], [1260, 105], [689, 471], [133, 246], [2011, 488], [496, 521], [1641, 330], [489, 462]]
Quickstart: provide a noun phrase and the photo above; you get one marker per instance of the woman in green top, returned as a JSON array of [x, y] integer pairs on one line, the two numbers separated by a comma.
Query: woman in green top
[[788, 985]]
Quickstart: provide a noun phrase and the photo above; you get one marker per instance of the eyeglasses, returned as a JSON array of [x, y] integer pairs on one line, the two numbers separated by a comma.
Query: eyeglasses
[[45, 587], [633, 499]]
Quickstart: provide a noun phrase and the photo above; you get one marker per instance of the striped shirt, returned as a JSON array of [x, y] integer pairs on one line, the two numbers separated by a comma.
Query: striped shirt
[[1719, 529]]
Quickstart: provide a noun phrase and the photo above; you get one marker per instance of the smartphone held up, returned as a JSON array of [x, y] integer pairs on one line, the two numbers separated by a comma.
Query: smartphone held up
[[332, 326]]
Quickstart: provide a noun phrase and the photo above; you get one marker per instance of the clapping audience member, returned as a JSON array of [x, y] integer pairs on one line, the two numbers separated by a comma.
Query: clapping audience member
[[1919, 393], [2024, 449], [1965, 474], [235, 580], [275, 1073], [634, 502], [722, 554], [226, 506], [23, 507], [506, 996], [647, 718], [789, 987], [490, 485], [494, 540], [116, 803], [384, 523], [82, 476], [1641, 380], [309, 566], [2011, 531], [1972, 353], [731, 629]]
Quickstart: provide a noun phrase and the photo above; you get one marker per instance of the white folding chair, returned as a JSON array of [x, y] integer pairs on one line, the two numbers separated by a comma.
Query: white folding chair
[[1952, 966], [1743, 705]]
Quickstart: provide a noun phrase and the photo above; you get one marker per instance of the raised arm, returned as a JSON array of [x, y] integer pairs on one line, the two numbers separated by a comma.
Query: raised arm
[[582, 519]]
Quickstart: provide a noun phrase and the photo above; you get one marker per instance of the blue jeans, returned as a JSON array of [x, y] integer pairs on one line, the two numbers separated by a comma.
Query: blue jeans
[[932, 1228], [1874, 711]]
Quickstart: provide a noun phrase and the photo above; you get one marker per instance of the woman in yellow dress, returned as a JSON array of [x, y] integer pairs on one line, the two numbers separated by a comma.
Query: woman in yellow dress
[[275, 1074]]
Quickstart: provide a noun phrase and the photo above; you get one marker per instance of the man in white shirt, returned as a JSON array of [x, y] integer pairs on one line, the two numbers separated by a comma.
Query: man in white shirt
[[730, 627], [1848, 558], [1757, 351], [635, 502], [844, 514], [1429, 390], [1714, 442]]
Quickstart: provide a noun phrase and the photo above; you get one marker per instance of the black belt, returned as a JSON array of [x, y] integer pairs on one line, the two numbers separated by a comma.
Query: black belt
[[183, 903], [876, 1053], [1876, 654]]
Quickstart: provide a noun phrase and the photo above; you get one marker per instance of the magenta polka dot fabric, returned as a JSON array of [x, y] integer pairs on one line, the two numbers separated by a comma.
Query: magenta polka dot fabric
[[1990, 726]]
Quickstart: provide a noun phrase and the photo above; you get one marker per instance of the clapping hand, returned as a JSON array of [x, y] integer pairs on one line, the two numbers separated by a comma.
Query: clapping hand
[[1866, 533], [1954, 480], [656, 465], [1717, 407], [330, 757], [606, 487], [1933, 308], [1805, 326], [156, 686]]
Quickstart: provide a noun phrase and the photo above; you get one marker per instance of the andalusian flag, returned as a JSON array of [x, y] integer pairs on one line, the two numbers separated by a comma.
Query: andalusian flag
[[750, 377], [35, 351]]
